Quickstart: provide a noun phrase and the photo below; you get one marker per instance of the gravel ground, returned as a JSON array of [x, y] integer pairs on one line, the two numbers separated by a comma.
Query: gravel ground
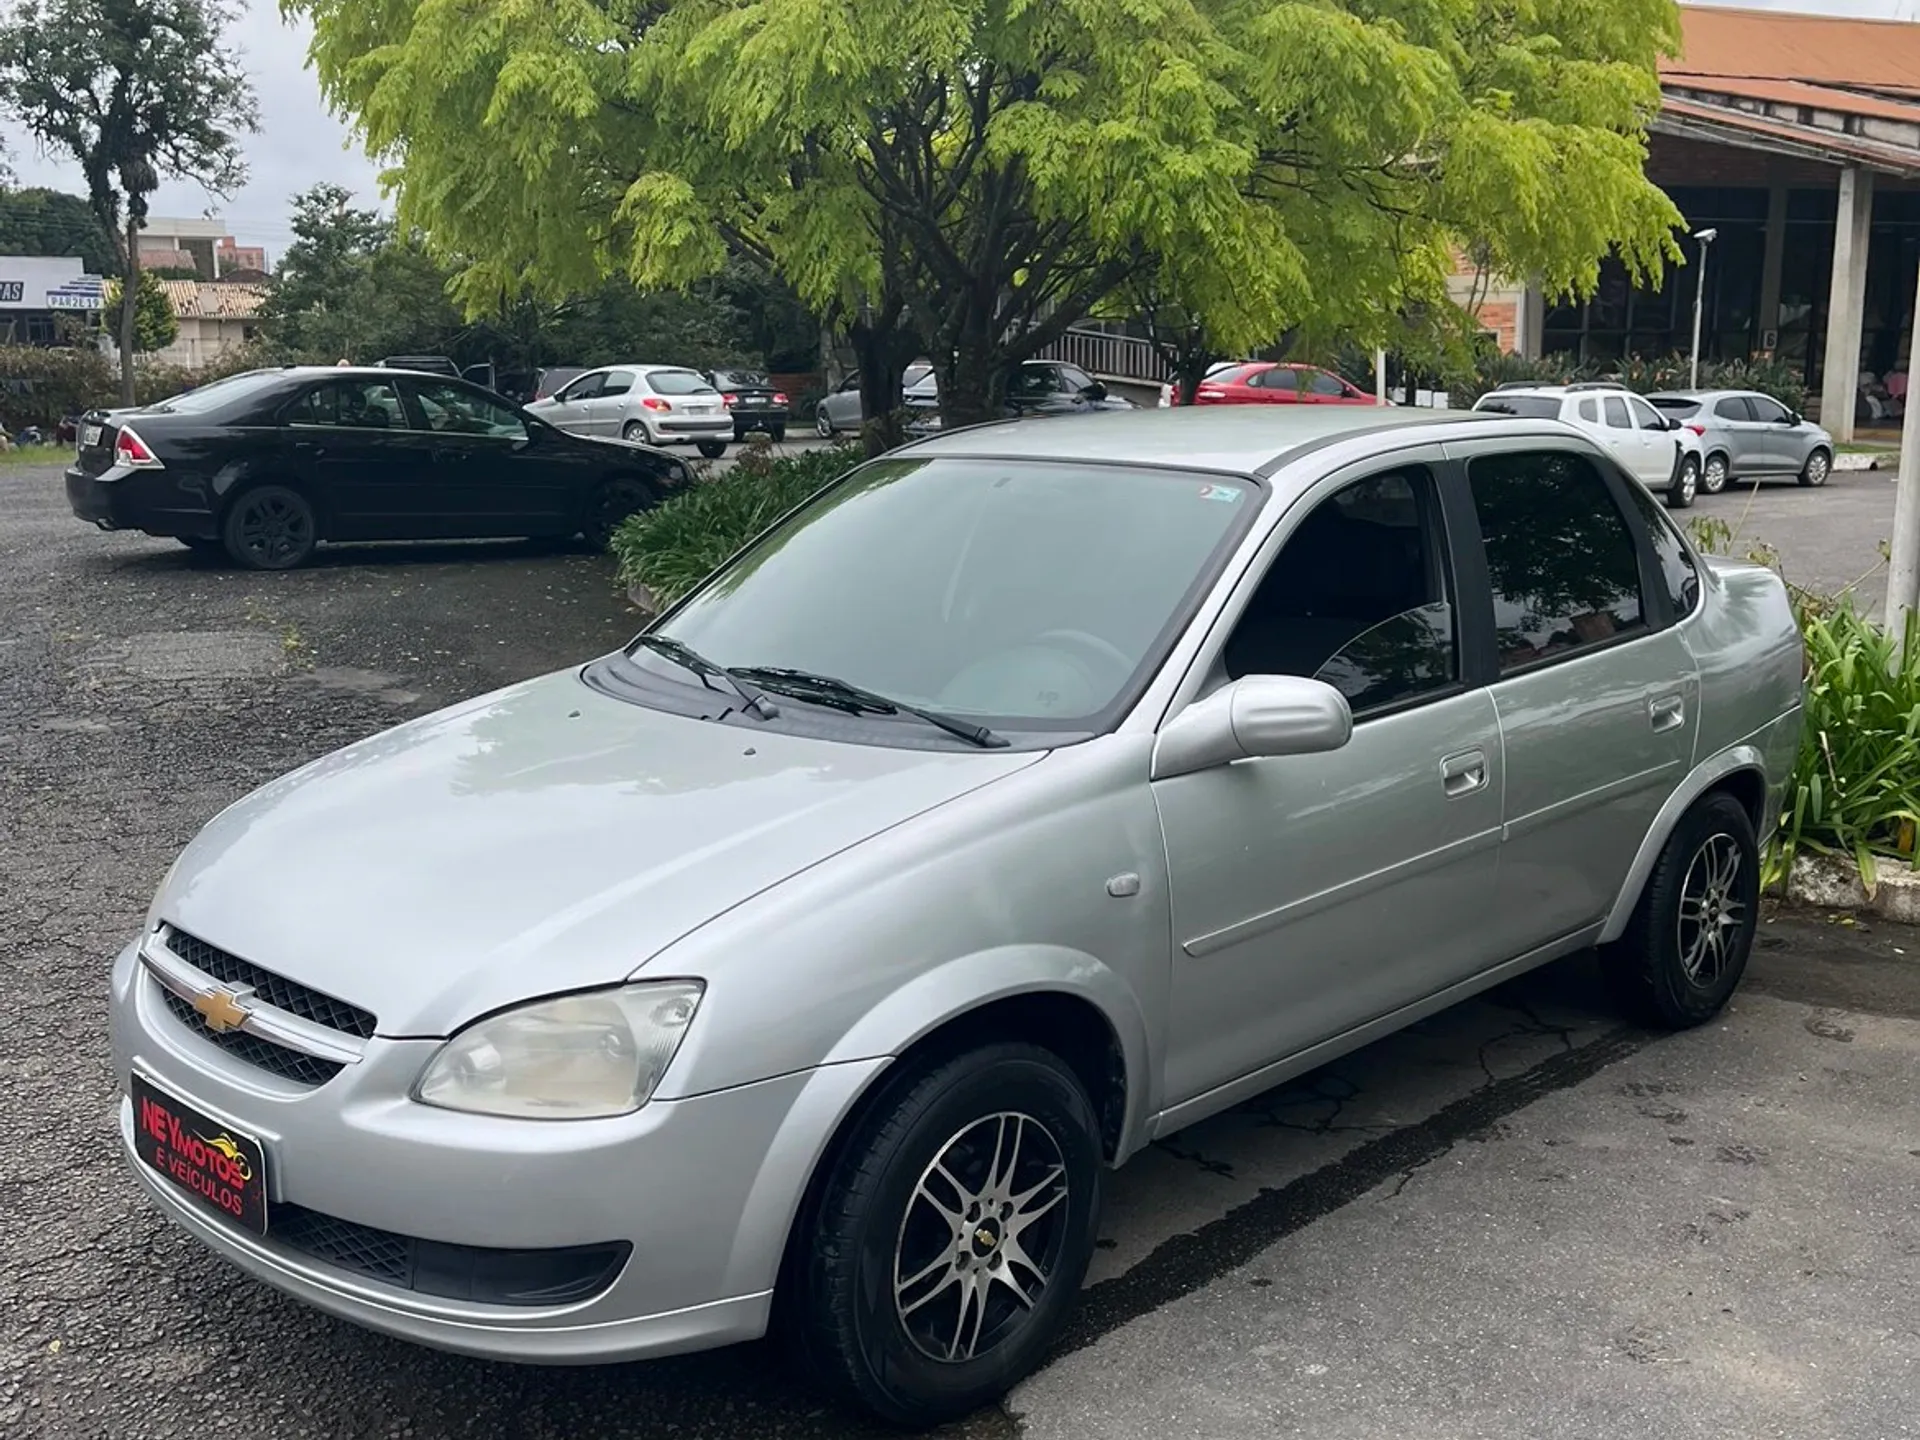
[[142, 690]]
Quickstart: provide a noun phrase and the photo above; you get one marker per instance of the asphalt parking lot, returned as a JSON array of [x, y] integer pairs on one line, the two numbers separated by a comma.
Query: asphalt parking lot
[[1519, 1218]]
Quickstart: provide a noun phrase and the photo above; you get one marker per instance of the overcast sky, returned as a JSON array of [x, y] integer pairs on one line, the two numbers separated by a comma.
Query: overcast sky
[[300, 144]]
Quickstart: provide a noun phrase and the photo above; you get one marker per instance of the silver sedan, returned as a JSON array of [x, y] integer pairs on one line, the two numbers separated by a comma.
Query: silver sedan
[[1745, 435], [645, 404], [1027, 795]]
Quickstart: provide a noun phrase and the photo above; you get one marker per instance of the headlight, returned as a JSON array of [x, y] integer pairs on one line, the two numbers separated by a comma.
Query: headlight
[[577, 1057]]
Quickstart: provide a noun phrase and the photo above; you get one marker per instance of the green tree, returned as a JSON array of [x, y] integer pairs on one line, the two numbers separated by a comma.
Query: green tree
[[155, 326], [135, 91], [38, 221]]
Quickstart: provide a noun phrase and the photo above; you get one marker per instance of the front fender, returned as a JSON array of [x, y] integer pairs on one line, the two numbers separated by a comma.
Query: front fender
[[970, 982]]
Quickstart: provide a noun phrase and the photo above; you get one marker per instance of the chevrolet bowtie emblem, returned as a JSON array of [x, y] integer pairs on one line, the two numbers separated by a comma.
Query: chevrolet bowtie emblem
[[222, 1010]]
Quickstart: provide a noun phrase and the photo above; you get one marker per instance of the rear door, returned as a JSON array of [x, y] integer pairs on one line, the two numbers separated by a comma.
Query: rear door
[[487, 479], [368, 471], [1597, 695]]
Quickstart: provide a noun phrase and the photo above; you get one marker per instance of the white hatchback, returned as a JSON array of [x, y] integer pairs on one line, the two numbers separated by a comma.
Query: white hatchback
[[1659, 452]]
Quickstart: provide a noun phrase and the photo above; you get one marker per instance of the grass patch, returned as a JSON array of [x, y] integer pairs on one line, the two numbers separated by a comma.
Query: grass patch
[[674, 546], [36, 455]]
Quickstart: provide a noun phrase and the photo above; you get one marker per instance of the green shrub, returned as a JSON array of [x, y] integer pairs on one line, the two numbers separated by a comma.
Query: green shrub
[[1642, 374], [673, 547], [42, 385]]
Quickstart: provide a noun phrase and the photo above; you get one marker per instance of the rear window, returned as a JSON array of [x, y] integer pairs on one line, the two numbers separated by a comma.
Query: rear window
[[915, 374], [740, 379], [678, 382], [1232, 375], [1676, 405], [220, 392], [1528, 407]]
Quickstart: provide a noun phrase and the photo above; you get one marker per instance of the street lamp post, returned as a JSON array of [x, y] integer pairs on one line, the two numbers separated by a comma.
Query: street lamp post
[[1706, 238]]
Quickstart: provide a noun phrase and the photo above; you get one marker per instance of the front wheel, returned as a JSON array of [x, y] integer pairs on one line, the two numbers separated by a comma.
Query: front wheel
[[1819, 465], [612, 503], [1685, 485], [270, 528], [949, 1241], [1686, 947], [713, 449], [823, 423]]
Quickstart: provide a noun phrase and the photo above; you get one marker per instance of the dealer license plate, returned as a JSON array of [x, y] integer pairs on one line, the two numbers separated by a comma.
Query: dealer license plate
[[89, 436], [225, 1170]]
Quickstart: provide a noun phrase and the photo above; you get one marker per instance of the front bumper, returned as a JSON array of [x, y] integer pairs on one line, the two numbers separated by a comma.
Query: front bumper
[[704, 1189]]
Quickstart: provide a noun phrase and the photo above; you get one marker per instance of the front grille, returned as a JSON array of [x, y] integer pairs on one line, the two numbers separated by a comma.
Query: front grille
[[252, 1050], [274, 990], [455, 1272]]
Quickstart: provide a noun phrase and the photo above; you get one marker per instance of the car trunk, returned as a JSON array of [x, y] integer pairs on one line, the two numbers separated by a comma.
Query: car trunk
[[98, 432], [748, 397]]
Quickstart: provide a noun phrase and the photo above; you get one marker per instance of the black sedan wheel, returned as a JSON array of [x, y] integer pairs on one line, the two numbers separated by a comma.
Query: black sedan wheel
[[713, 449], [613, 502], [270, 528], [950, 1240]]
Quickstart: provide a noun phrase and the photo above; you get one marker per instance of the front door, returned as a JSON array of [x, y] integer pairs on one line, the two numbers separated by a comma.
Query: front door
[[1627, 443], [606, 412], [572, 407], [488, 481], [1598, 697], [1774, 436], [365, 468], [1661, 445], [1312, 894]]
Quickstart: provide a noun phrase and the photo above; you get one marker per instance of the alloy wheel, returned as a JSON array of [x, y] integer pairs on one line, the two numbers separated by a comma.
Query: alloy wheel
[[273, 529], [1689, 482], [823, 424], [982, 1237], [1711, 912], [1716, 477], [1817, 467]]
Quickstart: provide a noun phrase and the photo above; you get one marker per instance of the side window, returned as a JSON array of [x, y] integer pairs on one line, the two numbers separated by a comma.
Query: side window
[[1616, 412], [1590, 411], [1644, 415], [1358, 597], [1564, 566], [1073, 380], [1322, 383], [350, 405], [1732, 408], [453, 410], [583, 388], [616, 382], [1676, 561], [1767, 412]]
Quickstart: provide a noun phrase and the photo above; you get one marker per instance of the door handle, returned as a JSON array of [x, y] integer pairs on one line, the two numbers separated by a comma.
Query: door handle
[[1667, 712], [1464, 773]]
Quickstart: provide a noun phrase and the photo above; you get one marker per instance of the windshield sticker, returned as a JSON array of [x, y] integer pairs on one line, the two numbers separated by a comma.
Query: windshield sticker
[[1228, 493]]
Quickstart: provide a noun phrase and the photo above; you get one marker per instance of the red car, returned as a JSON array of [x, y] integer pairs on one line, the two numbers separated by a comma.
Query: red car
[[1265, 382]]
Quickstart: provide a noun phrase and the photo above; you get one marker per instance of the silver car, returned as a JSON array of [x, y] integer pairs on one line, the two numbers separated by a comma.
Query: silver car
[[1745, 435], [841, 411], [644, 404], [1027, 795]]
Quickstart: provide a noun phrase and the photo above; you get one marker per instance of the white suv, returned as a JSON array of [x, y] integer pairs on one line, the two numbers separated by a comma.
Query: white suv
[[1659, 452]]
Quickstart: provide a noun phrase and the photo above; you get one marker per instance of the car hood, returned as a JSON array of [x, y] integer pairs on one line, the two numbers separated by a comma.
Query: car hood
[[540, 839]]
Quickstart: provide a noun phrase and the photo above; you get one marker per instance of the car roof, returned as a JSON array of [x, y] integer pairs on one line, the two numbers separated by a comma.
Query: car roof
[[1243, 440]]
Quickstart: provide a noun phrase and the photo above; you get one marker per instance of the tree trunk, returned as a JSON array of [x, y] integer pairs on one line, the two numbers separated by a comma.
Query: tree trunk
[[971, 382], [883, 351], [129, 298]]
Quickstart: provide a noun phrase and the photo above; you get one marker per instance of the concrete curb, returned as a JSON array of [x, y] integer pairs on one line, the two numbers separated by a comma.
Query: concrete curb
[[1889, 462], [1831, 882]]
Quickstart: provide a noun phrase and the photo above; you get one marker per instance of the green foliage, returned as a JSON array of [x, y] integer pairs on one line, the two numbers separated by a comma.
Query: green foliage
[[42, 386], [989, 171], [673, 547], [155, 326], [1855, 790], [49, 222]]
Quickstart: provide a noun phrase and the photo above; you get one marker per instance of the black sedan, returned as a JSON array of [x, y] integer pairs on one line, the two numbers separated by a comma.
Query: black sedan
[[265, 465], [752, 401]]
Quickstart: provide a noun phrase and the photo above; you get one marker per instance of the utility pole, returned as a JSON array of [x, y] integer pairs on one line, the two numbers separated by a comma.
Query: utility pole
[[1706, 238]]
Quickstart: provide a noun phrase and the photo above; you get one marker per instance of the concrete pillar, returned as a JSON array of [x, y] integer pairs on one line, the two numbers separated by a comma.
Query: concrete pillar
[[1846, 302], [1773, 261], [1903, 573]]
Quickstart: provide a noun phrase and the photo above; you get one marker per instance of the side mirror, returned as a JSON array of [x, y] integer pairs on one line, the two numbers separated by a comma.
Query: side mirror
[[1260, 715], [1671, 423], [1095, 391]]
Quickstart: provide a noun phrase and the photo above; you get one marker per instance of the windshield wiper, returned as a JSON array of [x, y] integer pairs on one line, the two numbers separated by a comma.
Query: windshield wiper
[[690, 659], [829, 690]]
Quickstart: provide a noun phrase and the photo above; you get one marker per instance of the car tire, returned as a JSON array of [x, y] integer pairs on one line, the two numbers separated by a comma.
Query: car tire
[[270, 527], [1716, 475], [635, 433], [1686, 947], [1686, 484], [905, 1288], [202, 545], [823, 423], [1818, 467], [779, 434], [713, 449], [612, 502]]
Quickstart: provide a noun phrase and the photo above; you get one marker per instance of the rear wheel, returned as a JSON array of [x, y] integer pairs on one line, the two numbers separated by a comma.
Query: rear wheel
[[1686, 947], [950, 1239], [270, 528], [1686, 484], [636, 433], [612, 503], [713, 449], [1819, 465], [779, 434], [823, 423], [203, 545]]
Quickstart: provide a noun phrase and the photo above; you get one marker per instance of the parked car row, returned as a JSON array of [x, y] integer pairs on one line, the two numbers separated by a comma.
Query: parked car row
[[1036, 387], [266, 465]]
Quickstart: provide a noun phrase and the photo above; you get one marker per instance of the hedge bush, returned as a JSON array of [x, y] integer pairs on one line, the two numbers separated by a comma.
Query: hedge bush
[[1645, 375], [42, 386], [673, 547]]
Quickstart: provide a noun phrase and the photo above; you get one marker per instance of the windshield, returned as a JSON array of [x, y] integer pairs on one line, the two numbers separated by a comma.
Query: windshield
[[915, 374], [1530, 407], [220, 392], [1033, 595], [678, 382]]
